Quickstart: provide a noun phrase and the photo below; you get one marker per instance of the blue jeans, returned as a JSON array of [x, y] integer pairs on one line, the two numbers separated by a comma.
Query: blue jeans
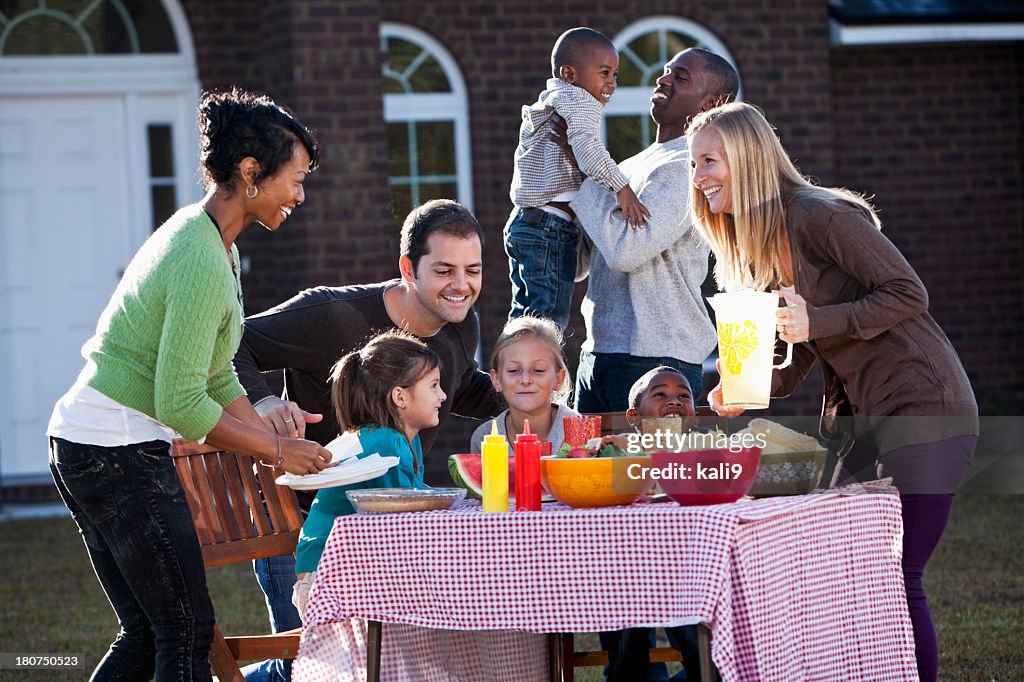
[[276, 576], [629, 658], [603, 380], [133, 517], [541, 249]]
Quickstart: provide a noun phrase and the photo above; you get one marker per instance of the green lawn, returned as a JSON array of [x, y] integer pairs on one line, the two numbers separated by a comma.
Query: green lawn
[[52, 602]]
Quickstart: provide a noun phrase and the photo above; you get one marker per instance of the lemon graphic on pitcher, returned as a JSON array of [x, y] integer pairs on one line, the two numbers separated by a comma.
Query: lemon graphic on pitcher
[[746, 342], [736, 341]]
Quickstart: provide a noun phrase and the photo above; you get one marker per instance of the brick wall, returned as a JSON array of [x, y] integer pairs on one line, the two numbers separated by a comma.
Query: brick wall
[[934, 132], [323, 60]]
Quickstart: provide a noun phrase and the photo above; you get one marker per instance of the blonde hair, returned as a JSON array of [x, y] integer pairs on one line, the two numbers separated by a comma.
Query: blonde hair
[[542, 329], [748, 242], [362, 381]]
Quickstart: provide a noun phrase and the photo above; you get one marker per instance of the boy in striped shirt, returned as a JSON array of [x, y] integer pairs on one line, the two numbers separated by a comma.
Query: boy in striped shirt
[[541, 236]]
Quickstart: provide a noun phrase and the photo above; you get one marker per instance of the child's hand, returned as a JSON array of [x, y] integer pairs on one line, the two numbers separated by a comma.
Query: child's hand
[[621, 442], [633, 212], [560, 135]]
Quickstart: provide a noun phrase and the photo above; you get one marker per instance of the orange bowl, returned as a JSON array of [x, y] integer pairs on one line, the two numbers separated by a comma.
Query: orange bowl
[[596, 481], [706, 476]]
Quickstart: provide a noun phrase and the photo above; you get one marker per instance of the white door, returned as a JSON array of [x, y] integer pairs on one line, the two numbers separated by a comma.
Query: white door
[[64, 211]]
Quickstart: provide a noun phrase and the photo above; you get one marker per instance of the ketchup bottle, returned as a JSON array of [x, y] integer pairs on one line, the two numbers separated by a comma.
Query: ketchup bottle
[[527, 449]]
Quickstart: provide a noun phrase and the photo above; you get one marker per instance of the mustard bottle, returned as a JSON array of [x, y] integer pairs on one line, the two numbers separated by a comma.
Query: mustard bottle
[[494, 462]]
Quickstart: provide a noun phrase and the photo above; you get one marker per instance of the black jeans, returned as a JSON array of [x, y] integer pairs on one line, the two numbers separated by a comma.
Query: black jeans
[[132, 514]]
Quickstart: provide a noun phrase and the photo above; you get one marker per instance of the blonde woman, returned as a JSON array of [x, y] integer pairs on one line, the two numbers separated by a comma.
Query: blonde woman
[[854, 304]]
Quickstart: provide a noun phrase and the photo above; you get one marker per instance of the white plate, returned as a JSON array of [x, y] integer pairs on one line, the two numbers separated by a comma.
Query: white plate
[[352, 471]]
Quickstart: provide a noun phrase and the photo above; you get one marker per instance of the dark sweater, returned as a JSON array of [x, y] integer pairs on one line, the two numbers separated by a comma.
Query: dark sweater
[[307, 334], [882, 353]]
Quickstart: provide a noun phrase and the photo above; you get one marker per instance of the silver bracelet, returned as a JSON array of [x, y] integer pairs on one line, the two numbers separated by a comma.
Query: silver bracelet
[[280, 457]]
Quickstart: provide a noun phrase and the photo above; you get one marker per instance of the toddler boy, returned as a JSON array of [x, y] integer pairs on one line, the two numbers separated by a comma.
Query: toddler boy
[[540, 236]]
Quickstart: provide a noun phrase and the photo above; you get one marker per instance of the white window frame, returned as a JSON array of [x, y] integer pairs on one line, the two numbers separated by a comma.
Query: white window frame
[[440, 106], [899, 34], [636, 100]]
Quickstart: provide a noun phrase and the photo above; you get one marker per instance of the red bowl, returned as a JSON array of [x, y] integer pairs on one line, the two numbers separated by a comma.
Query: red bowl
[[706, 476]]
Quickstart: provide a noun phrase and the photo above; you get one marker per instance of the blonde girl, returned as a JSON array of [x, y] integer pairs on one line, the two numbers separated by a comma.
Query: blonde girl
[[387, 392], [528, 368]]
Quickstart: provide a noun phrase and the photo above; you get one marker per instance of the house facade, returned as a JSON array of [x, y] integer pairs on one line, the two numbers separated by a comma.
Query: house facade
[[417, 100]]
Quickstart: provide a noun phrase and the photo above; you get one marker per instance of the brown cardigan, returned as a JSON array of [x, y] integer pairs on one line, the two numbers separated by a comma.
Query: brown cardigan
[[882, 354]]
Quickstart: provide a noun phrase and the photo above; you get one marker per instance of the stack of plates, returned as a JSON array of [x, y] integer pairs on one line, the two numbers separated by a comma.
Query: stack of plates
[[352, 470]]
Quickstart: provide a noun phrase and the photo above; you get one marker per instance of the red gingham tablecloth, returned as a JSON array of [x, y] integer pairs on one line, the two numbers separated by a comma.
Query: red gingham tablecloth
[[793, 588]]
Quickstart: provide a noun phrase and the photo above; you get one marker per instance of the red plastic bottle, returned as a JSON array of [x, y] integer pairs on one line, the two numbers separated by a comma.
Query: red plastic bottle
[[527, 449]]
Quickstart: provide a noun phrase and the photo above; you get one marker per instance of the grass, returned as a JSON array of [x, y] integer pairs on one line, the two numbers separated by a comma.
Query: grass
[[52, 603]]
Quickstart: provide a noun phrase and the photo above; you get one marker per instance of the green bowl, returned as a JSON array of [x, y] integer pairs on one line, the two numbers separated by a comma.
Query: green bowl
[[788, 473]]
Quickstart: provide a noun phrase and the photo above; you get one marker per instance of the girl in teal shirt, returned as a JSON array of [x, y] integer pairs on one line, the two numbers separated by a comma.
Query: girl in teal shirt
[[388, 391]]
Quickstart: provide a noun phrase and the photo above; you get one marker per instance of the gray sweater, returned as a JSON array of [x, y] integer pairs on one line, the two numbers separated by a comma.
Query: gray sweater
[[644, 297]]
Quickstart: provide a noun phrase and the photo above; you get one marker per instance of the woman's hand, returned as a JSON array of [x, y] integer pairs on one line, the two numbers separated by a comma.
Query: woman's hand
[[715, 398], [303, 457], [793, 324], [285, 418]]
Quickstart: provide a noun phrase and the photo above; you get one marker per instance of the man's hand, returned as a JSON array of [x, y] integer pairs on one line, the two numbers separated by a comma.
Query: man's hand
[[285, 418], [633, 212], [560, 135]]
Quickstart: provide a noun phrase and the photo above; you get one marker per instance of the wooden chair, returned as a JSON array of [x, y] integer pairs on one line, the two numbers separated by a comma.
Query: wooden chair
[[617, 423], [223, 494]]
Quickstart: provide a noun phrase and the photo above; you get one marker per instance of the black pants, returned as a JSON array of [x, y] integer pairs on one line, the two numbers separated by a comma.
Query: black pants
[[131, 510]]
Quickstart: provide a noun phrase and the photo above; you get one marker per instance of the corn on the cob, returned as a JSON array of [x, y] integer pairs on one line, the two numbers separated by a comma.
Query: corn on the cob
[[785, 439]]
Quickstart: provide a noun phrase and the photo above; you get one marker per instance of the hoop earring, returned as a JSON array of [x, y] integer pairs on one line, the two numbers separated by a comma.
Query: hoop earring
[[255, 191]]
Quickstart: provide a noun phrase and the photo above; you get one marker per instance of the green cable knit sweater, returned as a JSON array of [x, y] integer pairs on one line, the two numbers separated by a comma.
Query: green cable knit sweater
[[164, 343]]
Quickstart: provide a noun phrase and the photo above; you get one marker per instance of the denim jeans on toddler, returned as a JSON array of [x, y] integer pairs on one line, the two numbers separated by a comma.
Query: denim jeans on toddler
[[131, 510], [541, 249]]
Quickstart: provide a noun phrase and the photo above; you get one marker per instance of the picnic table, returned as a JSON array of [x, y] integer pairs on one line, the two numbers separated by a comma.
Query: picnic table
[[793, 588]]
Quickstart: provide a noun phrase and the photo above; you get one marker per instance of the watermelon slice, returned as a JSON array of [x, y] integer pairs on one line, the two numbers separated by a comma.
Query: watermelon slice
[[467, 472]]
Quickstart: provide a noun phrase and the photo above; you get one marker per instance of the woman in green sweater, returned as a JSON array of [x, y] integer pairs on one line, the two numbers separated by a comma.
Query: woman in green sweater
[[160, 363]]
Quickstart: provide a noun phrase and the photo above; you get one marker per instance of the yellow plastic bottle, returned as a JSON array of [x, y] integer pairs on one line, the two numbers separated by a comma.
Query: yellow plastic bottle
[[494, 462]]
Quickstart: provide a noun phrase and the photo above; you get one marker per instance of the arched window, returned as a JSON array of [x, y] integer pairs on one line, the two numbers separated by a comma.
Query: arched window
[[75, 27], [644, 48], [427, 117]]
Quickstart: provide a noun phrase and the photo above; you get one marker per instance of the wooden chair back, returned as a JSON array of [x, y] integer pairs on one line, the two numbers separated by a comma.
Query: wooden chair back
[[240, 514]]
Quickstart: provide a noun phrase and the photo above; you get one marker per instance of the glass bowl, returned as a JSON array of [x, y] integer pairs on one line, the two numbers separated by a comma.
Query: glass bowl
[[394, 500], [789, 473]]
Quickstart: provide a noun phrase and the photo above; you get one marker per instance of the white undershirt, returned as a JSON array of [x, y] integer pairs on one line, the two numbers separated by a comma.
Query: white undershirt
[[84, 415], [564, 197]]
